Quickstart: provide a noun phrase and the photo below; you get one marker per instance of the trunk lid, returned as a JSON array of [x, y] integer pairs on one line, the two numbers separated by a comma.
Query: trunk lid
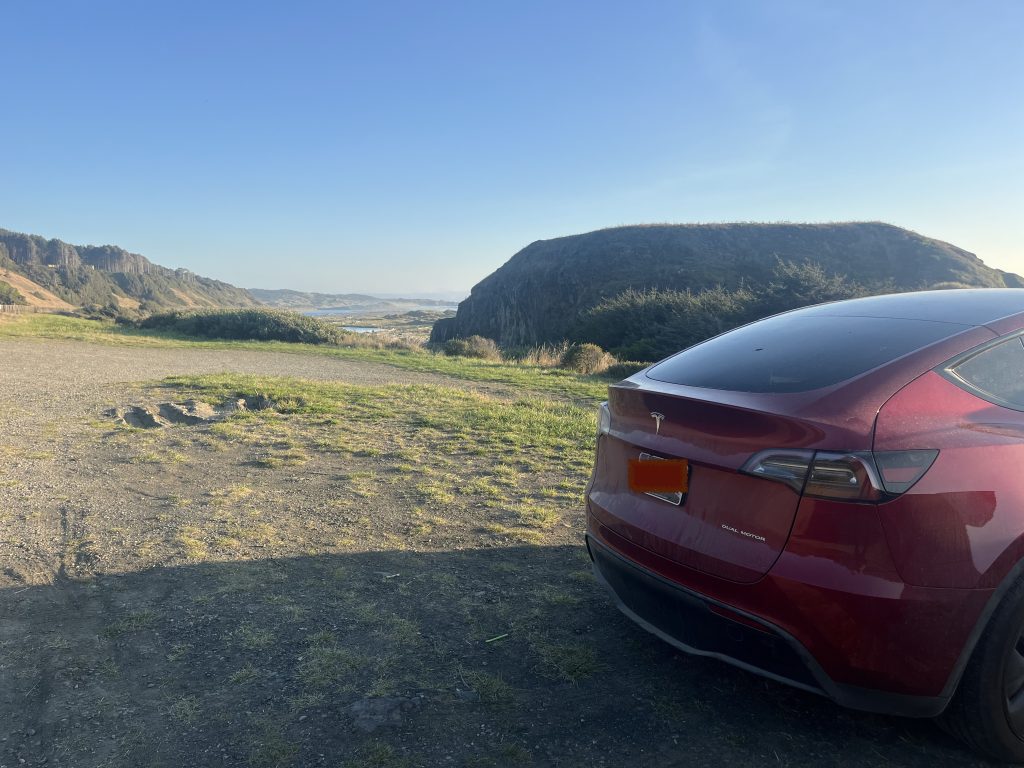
[[729, 524]]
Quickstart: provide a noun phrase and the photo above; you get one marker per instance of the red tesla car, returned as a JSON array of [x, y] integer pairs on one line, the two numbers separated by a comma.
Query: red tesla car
[[834, 498]]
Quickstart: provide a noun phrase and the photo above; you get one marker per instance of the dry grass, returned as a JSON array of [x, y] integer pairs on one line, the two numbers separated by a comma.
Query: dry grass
[[543, 356]]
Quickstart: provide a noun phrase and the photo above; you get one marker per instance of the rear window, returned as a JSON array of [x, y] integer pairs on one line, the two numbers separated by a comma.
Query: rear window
[[997, 373], [794, 353]]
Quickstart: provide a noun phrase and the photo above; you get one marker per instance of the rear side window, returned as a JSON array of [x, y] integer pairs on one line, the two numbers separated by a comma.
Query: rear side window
[[996, 373], [797, 353]]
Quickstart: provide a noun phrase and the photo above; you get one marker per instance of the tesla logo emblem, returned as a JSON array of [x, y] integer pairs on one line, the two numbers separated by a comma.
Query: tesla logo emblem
[[657, 421]]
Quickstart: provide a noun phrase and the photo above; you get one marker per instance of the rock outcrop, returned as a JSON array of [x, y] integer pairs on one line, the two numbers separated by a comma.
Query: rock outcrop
[[542, 291], [190, 412]]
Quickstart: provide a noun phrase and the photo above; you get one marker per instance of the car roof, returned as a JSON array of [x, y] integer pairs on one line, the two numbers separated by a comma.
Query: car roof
[[964, 306]]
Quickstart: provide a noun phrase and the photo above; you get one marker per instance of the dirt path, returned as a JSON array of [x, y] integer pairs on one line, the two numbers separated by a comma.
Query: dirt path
[[57, 484], [50, 392], [69, 377], [176, 599]]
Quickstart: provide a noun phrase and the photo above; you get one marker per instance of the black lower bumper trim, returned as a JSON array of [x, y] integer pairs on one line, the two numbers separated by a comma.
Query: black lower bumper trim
[[688, 621]]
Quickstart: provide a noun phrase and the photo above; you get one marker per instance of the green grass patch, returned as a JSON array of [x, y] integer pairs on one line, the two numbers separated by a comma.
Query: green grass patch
[[525, 535], [131, 623], [377, 755], [517, 376], [571, 662], [246, 674], [554, 429], [252, 638], [536, 515], [491, 688], [270, 748], [185, 710], [281, 459], [327, 663], [192, 541]]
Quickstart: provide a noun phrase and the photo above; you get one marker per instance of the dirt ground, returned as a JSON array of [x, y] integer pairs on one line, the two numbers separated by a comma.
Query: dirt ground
[[268, 594]]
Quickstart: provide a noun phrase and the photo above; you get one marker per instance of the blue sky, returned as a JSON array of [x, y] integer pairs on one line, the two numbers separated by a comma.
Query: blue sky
[[414, 147]]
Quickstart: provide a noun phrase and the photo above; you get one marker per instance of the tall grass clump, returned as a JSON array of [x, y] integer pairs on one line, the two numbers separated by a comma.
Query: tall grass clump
[[381, 341], [622, 370], [543, 356], [245, 324], [586, 358], [473, 346]]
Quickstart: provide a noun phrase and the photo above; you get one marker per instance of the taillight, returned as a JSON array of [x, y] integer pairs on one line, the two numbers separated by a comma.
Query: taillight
[[789, 467], [850, 476], [901, 469], [854, 476]]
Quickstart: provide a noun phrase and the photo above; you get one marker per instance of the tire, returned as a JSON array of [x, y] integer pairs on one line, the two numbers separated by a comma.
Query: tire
[[987, 712]]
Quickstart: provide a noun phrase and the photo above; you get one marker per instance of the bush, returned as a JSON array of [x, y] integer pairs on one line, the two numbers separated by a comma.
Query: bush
[[244, 324], [381, 341], [544, 356], [623, 370], [473, 346], [10, 295], [101, 312], [651, 325], [800, 285], [586, 358]]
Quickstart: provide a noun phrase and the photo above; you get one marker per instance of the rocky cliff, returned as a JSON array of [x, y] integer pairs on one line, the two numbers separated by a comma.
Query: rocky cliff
[[543, 290], [110, 276]]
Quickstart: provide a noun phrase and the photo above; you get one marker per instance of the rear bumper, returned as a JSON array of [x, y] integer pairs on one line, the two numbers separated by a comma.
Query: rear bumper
[[700, 624]]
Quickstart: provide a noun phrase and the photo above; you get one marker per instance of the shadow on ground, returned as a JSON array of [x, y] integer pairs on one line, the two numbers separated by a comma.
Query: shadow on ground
[[497, 657]]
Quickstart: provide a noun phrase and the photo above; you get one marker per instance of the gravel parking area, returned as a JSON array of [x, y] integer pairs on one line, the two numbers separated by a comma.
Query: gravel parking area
[[165, 600]]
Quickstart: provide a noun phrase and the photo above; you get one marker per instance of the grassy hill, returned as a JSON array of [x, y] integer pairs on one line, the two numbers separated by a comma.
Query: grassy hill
[[551, 289], [55, 274]]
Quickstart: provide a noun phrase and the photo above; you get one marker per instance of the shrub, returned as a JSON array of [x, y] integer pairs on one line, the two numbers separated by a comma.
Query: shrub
[[586, 358], [381, 341], [101, 312], [473, 346], [800, 285], [255, 324], [650, 325], [10, 295], [544, 356], [623, 370]]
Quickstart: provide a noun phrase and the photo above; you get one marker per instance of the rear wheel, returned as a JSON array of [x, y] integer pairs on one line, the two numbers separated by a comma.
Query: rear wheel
[[987, 712]]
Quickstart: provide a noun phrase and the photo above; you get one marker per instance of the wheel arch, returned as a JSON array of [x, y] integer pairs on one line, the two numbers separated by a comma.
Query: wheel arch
[[1015, 574]]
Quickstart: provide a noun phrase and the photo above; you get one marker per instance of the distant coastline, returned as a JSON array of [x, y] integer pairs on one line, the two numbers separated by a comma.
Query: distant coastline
[[329, 311]]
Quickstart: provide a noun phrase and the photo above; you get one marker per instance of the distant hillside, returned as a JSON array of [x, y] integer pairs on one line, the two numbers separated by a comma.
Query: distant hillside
[[300, 301], [56, 274], [543, 293], [29, 293]]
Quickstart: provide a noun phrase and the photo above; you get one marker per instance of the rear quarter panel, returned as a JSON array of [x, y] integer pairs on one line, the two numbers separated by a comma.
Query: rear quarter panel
[[962, 524]]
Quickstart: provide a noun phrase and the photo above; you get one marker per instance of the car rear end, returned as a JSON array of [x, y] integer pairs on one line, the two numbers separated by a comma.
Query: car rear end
[[764, 545]]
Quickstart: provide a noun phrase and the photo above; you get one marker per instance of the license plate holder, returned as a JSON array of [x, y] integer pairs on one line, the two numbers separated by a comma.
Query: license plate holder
[[665, 479]]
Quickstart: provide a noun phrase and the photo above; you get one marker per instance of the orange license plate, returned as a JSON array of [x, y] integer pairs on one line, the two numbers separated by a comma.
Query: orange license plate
[[667, 479]]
